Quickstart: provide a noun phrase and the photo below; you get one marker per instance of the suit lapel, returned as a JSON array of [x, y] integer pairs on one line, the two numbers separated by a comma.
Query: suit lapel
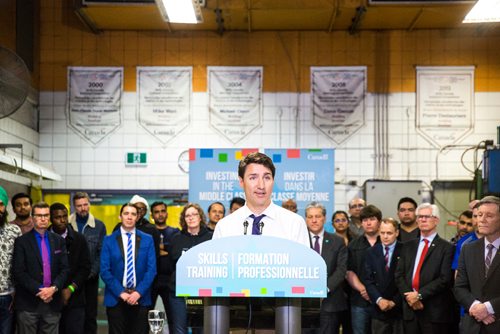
[[119, 240], [137, 245], [36, 249], [494, 264], [52, 244]]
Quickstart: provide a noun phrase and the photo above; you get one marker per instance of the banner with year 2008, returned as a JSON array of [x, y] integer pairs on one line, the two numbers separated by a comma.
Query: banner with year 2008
[[94, 101], [305, 176], [213, 175]]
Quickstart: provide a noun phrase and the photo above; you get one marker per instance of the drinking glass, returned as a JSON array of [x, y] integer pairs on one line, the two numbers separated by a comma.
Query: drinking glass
[[156, 319]]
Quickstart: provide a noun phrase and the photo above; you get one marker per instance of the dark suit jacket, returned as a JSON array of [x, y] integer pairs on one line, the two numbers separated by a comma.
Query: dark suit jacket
[[28, 270], [79, 266], [113, 265], [380, 283], [334, 252], [471, 284], [436, 279]]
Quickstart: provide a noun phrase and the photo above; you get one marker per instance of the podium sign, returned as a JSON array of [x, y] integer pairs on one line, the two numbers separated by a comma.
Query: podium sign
[[251, 266]]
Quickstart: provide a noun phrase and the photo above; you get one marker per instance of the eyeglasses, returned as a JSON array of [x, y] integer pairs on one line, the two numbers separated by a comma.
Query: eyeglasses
[[425, 217], [360, 206], [340, 220], [46, 216], [191, 215]]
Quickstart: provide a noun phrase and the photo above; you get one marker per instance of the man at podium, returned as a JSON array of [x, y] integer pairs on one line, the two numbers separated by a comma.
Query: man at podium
[[259, 215]]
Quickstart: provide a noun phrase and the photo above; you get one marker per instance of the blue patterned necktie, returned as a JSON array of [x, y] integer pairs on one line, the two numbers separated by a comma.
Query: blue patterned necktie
[[256, 221], [129, 260]]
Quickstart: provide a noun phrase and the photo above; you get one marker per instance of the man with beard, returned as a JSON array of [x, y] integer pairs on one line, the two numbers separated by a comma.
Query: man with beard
[[94, 231], [21, 203], [355, 207], [167, 233], [73, 313], [8, 234], [408, 228], [216, 212]]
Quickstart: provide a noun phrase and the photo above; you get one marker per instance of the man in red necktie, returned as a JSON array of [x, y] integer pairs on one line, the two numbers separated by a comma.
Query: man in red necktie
[[424, 277]]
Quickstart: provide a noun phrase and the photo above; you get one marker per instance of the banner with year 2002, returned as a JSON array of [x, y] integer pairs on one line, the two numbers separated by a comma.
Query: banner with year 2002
[[94, 101], [164, 100]]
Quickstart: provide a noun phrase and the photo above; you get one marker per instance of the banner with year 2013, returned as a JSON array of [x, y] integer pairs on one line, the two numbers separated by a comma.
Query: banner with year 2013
[[94, 101]]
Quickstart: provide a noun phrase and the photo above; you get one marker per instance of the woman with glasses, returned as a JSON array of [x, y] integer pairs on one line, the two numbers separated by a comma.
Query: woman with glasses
[[340, 223], [193, 232]]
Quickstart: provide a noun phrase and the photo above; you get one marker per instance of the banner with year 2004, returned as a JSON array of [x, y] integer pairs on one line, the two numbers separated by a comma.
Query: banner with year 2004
[[164, 100], [235, 100], [94, 101]]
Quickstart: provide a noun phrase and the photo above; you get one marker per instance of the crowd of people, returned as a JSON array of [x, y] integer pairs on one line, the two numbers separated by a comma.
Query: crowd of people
[[384, 275]]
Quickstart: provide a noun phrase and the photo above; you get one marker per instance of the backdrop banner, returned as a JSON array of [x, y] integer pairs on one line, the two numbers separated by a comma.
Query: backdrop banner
[[94, 101]]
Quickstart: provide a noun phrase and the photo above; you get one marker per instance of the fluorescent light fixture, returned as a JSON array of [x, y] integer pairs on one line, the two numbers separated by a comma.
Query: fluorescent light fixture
[[180, 11], [484, 11]]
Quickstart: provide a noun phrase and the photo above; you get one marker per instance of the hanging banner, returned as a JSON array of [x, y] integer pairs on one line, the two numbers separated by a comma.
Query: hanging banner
[[213, 175], [304, 175], [94, 101], [445, 103], [235, 100], [164, 100], [338, 100]]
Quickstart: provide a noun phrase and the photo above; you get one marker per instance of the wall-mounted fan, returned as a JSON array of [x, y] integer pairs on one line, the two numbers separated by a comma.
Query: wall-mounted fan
[[14, 82]]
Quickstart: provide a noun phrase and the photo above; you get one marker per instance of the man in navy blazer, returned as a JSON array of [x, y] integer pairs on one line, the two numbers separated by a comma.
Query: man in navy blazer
[[127, 295], [428, 298], [334, 309], [378, 277], [39, 282], [477, 286]]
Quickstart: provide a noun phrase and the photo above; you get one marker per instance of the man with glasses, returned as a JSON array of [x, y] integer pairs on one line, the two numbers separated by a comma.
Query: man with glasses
[[424, 277], [408, 228], [355, 207], [40, 271], [94, 231]]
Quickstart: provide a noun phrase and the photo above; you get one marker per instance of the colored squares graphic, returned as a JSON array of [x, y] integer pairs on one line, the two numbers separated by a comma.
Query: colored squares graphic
[[222, 157], [298, 289], [276, 158], [206, 153], [192, 154], [293, 154], [263, 291], [205, 292]]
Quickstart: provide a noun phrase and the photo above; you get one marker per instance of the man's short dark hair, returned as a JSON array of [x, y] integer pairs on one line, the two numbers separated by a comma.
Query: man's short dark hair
[[237, 200], [57, 206], [223, 207], [467, 213], [128, 205], [370, 211], [256, 158], [158, 203], [21, 195], [407, 200], [79, 195], [39, 205]]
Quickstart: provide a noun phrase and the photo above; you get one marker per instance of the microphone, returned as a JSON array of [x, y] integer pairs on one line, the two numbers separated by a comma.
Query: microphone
[[261, 226], [245, 226]]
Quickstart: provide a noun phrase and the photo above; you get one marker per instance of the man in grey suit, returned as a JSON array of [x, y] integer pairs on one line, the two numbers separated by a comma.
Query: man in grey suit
[[334, 309], [477, 286]]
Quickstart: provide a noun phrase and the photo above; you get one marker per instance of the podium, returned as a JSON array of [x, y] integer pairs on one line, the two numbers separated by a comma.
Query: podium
[[251, 266]]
